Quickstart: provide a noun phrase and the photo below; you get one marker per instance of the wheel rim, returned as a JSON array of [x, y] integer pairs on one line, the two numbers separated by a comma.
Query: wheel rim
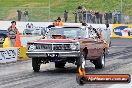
[[83, 62], [103, 61]]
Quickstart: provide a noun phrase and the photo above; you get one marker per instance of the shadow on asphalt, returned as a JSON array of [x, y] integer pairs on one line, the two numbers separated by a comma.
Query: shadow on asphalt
[[67, 71]]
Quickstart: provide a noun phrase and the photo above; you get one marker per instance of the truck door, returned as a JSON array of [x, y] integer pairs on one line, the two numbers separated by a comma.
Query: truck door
[[98, 44], [92, 44]]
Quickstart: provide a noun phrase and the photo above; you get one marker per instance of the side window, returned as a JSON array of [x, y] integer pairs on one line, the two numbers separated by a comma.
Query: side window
[[85, 33]]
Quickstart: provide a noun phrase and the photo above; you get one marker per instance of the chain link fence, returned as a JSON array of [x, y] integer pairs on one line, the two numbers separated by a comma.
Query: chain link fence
[[37, 14], [43, 14], [34, 13]]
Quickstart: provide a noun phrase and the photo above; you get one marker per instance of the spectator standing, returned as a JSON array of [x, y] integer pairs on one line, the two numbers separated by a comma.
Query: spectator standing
[[75, 15], [115, 16], [106, 16], [97, 17], [100, 18], [108, 34], [84, 16], [88, 17], [91, 12], [65, 15], [12, 31], [110, 17], [19, 14], [93, 17], [59, 22], [25, 15], [80, 15], [119, 17], [84, 13], [127, 18]]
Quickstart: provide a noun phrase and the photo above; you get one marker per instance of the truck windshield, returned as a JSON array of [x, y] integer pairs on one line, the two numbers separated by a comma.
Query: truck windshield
[[68, 32]]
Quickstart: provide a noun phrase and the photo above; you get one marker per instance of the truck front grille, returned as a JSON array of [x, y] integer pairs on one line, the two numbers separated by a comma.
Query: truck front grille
[[43, 46], [61, 47], [53, 46]]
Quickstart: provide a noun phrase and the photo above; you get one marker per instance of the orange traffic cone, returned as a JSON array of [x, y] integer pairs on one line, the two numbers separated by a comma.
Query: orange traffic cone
[[18, 40]]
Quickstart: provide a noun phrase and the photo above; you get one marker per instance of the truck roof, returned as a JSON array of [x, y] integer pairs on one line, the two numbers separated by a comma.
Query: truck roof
[[70, 27]]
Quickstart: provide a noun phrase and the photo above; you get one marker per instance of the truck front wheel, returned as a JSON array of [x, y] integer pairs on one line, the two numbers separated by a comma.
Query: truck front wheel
[[36, 64]]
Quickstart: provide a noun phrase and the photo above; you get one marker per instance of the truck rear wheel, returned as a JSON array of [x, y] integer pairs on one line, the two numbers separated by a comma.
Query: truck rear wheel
[[36, 64], [59, 64], [100, 62]]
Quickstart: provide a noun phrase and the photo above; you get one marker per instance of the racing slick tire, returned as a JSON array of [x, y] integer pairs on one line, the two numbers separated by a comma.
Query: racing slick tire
[[100, 62], [59, 64], [36, 64]]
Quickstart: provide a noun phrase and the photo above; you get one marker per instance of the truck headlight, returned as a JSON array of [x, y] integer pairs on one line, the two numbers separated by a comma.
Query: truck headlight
[[31, 47], [75, 46]]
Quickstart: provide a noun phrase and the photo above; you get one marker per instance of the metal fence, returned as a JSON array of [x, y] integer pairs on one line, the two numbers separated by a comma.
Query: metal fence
[[36, 14], [88, 18], [42, 14]]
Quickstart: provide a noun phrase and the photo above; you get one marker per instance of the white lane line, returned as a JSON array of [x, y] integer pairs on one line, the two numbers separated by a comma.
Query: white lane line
[[129, 85]]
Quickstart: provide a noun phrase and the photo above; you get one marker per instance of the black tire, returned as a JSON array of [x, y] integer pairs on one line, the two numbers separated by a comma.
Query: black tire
[[59, 64], [81, 61], [100, 62], [36, 64], [110, 44]]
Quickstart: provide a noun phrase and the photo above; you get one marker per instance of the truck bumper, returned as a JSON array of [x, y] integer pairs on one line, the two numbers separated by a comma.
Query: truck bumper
[[54, 54]]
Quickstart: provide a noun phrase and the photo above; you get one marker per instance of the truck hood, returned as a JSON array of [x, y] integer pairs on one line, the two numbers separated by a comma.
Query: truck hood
[[55, 41]]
